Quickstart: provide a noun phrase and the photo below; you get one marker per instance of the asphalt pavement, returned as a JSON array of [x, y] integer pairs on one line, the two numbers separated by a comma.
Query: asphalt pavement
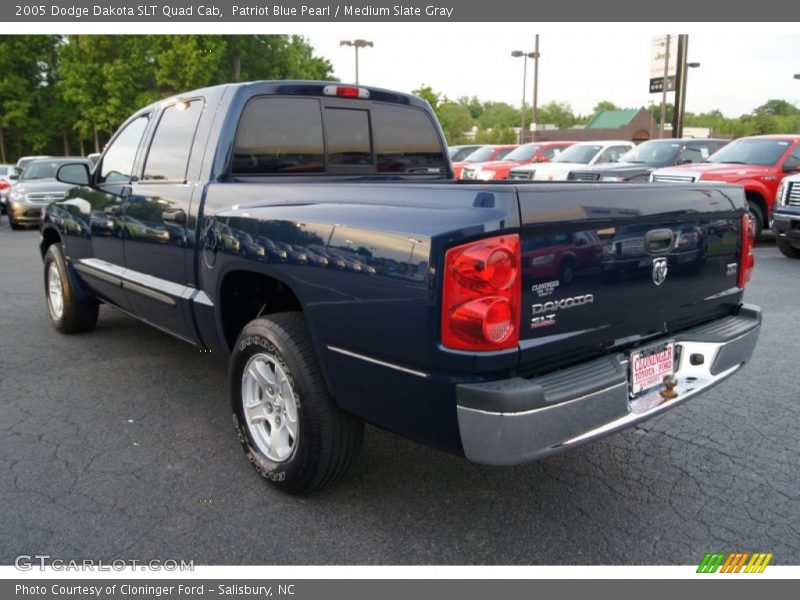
[[118, 444]]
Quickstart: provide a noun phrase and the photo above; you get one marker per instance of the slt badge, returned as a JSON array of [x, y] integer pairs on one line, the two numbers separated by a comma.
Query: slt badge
[[659, 270]]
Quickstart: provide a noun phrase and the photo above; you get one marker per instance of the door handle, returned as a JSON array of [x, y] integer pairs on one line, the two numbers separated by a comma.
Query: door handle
[[114, 210], [174, 216]]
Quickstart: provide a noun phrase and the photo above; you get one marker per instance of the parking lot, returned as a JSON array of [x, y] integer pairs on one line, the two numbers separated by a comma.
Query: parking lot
[[118, 444]]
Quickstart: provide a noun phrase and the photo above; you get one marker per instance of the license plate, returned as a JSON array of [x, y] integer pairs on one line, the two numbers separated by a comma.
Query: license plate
[[648, 366]]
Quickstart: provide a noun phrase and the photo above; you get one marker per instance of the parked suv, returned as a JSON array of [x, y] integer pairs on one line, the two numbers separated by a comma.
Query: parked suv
[[638, 163], [757, 163], [577, 156]]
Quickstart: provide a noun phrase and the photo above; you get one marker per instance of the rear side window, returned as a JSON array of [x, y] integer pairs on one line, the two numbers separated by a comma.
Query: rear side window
[[169, 151], [279, 135], [405, 141]]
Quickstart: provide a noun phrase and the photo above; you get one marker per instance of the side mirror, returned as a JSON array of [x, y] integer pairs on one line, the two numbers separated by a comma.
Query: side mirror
[[74, 174], [791, 165]]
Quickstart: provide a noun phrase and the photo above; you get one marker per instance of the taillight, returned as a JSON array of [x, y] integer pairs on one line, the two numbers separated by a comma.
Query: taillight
[[481, 295], [746, 259], [4, 185]]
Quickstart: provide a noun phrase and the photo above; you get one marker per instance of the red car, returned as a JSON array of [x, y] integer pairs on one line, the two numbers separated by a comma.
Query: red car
[[482, 154], [757, 163], [536, 152]]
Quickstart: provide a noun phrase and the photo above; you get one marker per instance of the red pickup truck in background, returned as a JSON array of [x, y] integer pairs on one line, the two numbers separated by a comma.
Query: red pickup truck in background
[[757, 163], [536, 152], [482, 154]]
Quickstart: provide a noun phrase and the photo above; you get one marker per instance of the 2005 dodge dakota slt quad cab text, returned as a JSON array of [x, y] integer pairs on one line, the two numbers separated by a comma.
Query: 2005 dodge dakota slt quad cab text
[[312, 233]]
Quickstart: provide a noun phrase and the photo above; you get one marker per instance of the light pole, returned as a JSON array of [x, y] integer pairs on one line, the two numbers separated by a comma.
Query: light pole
[[356, 44], [680, 98], [525, 56], [535, 88]]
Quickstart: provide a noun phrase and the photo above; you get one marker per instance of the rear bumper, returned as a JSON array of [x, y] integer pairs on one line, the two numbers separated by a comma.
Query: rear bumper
[[519, 420]]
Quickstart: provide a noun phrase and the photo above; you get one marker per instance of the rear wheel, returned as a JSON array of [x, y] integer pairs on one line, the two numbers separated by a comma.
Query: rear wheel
[[787, 249], [288, 424], [567, 272], [71, 309]]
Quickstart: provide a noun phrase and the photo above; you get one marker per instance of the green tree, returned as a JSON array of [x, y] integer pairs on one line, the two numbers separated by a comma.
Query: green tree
[[431, 97], [557, 113], [498, 115], [455, 120], [604, 105]]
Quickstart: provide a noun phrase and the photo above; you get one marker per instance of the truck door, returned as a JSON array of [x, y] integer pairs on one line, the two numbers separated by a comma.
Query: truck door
[[157, 228], [110, 190]]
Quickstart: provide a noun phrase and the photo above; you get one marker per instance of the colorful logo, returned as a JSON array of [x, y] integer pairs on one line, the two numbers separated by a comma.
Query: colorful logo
[[734, 562]]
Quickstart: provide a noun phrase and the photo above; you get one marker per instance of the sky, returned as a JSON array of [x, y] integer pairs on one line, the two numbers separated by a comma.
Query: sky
[[738, 70]]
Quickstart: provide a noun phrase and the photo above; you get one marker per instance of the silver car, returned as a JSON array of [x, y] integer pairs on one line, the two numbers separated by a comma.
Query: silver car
[[36, 188]]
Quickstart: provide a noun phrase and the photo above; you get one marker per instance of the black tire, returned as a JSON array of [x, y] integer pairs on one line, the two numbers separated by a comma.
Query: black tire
[[758, 219], [328, 439], [566, 275], [79, 309], [787, 249]]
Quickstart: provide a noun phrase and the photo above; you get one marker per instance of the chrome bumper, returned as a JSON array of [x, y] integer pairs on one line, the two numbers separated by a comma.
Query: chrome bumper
[[519, 420]]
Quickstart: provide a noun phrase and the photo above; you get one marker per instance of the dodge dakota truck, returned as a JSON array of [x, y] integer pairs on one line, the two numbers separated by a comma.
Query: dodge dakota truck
[[419, 312]]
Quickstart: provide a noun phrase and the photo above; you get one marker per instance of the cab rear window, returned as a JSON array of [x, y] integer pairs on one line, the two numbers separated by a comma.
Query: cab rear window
[[284, 136]]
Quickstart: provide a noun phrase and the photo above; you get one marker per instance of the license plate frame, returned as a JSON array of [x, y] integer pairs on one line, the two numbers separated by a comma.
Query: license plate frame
[[646, 374]]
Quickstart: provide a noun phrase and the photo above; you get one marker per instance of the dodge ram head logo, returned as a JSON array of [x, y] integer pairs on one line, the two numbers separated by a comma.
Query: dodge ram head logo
[[659, 270]]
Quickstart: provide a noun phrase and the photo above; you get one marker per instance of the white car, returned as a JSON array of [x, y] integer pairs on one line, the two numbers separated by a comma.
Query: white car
[[577, 155]]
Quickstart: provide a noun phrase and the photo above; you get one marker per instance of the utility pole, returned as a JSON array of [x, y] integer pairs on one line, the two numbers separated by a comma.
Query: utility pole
[[535, 88], [680, 86], [356, 44]]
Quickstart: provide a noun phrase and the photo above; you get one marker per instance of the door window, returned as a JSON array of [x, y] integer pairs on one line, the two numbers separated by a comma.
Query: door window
[[168, 157], [117, 165]]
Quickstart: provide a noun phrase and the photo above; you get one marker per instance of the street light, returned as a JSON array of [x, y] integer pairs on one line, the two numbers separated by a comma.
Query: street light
[[356, 44], [525, 56]]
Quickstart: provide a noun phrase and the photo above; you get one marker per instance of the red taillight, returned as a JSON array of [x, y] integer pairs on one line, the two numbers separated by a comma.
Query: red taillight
[[746, 259], [481, 295], [4, 185], [345, 91]]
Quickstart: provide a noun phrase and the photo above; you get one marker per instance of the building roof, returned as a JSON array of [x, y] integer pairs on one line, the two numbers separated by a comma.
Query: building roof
[[609, 119]]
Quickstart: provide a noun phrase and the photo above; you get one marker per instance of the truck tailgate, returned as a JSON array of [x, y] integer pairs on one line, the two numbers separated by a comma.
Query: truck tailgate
[[620, 265]]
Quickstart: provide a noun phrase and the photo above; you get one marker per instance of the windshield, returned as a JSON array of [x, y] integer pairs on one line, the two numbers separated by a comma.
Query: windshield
[[578, 154], [481, 154], [457, 154], [40, 170], [656, 153], [523, 153], [762, 152]]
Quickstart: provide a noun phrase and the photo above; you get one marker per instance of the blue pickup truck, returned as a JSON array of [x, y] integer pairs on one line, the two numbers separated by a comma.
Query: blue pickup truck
[[312, 234]]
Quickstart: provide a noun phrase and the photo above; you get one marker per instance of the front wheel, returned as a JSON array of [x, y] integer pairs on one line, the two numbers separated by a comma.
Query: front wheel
[[754, 210], [71, 309], [288, 424], [787, 249]]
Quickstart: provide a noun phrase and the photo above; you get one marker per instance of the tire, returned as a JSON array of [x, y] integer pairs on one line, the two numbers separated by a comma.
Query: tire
[[315, 441], [758, 219], [787, 249], [77, 311], [566, 274]]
